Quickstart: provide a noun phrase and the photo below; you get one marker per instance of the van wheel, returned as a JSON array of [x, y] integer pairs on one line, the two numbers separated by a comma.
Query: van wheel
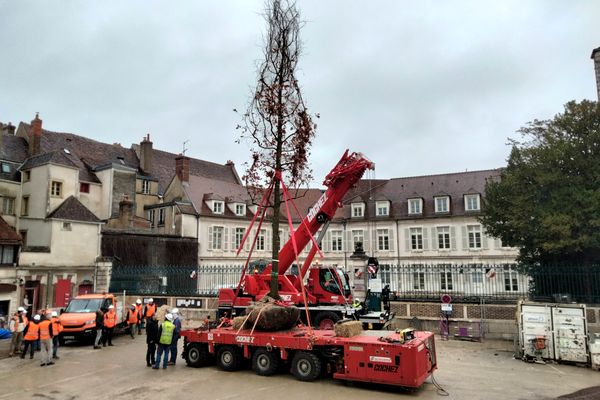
[[306, 366], [197, 355], [229, 358], [265, 362]]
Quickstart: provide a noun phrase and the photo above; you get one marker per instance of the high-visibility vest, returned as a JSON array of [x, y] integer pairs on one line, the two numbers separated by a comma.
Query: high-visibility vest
[[110, 319], [140, 309], [33, 331], [56, 326], [132, 319], [166, 336], [45, 330], [150, 310]]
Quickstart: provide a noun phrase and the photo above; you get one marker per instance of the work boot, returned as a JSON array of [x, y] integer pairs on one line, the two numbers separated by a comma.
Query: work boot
[[42, 364], [31, 357], [22, 356], [154, 367], [171, 363], [110, 344], [56, 357], [50, 363]]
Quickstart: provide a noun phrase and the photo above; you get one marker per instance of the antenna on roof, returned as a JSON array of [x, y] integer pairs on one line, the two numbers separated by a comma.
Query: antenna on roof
[[184, 148]]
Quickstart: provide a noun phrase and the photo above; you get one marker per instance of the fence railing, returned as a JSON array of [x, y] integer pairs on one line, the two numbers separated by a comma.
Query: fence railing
[[170, 280]]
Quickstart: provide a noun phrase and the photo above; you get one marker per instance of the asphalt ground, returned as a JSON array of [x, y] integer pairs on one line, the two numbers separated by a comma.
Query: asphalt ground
[[466, 370]]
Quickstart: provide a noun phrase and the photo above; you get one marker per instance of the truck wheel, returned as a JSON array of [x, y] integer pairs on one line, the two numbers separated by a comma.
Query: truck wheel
[[306, 366], [229, 358], [265, 362], [197, 355], [326, 320]]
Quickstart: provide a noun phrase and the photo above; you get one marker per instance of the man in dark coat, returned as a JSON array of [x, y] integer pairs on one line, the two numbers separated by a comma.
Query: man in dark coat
[[151, 340]]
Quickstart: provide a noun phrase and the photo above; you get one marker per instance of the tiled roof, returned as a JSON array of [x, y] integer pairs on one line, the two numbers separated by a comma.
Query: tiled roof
[[55, 157], [13, 148], [72, 209], [8, 234], [13, 174]]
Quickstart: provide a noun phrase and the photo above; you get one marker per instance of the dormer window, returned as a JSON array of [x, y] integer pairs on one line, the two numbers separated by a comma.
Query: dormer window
[[382, 208], [415, 206], [358, 210], [218, 207], [240, 210], [5, 168], [472, 202], [442, 204]]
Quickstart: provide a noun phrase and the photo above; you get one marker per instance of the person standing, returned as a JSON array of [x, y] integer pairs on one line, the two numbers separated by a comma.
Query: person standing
[[177, 323], [99, 328], [165, 337], [149, 309], [110, 321], [17, 325], [151, 340], [45, 335], [132, 320], [57, 328], [30, 335], [140, 310]]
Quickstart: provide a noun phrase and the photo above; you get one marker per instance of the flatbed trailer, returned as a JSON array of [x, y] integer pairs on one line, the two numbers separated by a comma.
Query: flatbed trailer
[[383, 357]]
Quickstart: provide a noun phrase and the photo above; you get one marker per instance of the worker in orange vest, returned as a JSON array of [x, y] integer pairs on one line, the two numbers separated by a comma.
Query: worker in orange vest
[[150, 309], [110, 321], [17, 325], [139, 307], [45, 335], [30, 335], [57, 328], [132, 320]]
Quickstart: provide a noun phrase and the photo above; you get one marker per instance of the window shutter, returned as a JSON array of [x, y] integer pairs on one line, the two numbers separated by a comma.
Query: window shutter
[[268, 240], [226, 238], [453, 237], [407, 239], [374, 241], [484, 240], [434, 238], [326, 243], [348, 242], [210, 237], [425, 238], [465, 241], [391, 238], [366, 241], [248, 240]]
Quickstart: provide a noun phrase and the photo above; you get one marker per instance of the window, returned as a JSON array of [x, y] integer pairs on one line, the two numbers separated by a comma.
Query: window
[[218, 207], [66, 226], [145, 186], [358, 236], [239, 235], [446, 280], [7, 255], [5, 168], [336, 240], [416, 238], [26, 176], [358, 210], [260, 240], [419, 280], [56, 189], [442, 204], [216, 238], [443, 234], [25, 206], [415, 206], [24, 237], [383, 208], [161, 216], [472, 202], [511, 278], [240, 210], [474, 236], [84, 187], [383, 239], [8, 205], [151, 214]]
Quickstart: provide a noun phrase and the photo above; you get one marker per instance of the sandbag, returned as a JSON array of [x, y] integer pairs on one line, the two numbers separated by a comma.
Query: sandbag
[[267, 315], [348, 328]]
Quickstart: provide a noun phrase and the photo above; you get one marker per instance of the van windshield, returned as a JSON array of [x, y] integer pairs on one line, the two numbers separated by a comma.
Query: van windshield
[[84, 305]]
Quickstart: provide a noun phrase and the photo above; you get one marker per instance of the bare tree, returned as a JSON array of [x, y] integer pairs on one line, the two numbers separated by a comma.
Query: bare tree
[[277, 122]]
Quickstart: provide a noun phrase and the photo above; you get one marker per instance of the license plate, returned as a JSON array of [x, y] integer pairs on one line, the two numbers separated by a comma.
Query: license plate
[[69, 337]]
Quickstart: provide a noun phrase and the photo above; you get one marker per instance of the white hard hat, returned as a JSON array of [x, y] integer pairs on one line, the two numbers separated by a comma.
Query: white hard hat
[[111, 307], [21, 309], [175, 311], [36, 317], [138, 301], [54, 314], [169, 316], [151, 301]]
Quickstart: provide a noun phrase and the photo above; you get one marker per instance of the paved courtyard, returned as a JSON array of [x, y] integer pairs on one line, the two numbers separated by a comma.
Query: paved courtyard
[[466, 370]]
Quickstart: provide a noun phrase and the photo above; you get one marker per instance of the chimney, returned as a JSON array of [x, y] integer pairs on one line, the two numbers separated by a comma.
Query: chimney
[[35, 136], [146, 155], [182, 168], [596, 58], [10, 129], [125, 212]]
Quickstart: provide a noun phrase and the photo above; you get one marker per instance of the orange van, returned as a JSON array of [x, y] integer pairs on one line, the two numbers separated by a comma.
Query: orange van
[[79, 318]]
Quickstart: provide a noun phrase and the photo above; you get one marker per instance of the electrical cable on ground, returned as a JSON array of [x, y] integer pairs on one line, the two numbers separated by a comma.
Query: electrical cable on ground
[[440, 390]]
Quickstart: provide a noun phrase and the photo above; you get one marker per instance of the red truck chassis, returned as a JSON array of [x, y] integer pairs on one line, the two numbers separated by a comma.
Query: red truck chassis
[[378, 356]]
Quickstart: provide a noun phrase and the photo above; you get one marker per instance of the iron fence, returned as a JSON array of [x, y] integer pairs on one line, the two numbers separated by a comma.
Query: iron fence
[[564, 283], [170, 280]]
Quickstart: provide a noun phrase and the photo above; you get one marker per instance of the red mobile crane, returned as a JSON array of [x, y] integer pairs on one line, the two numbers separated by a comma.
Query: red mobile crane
[[328, 291]]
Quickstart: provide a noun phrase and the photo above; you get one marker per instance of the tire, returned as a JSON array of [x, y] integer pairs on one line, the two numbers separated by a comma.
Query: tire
[[306, 366], [326, 320], [265, 363], [229, 358], [197, 355]]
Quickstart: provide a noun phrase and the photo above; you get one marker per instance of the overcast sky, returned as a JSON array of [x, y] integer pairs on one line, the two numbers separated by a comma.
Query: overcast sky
[[420, 87]]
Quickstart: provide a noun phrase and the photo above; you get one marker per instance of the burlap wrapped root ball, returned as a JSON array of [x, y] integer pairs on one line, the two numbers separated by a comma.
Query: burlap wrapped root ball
[[270, 316], [161, 312]]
